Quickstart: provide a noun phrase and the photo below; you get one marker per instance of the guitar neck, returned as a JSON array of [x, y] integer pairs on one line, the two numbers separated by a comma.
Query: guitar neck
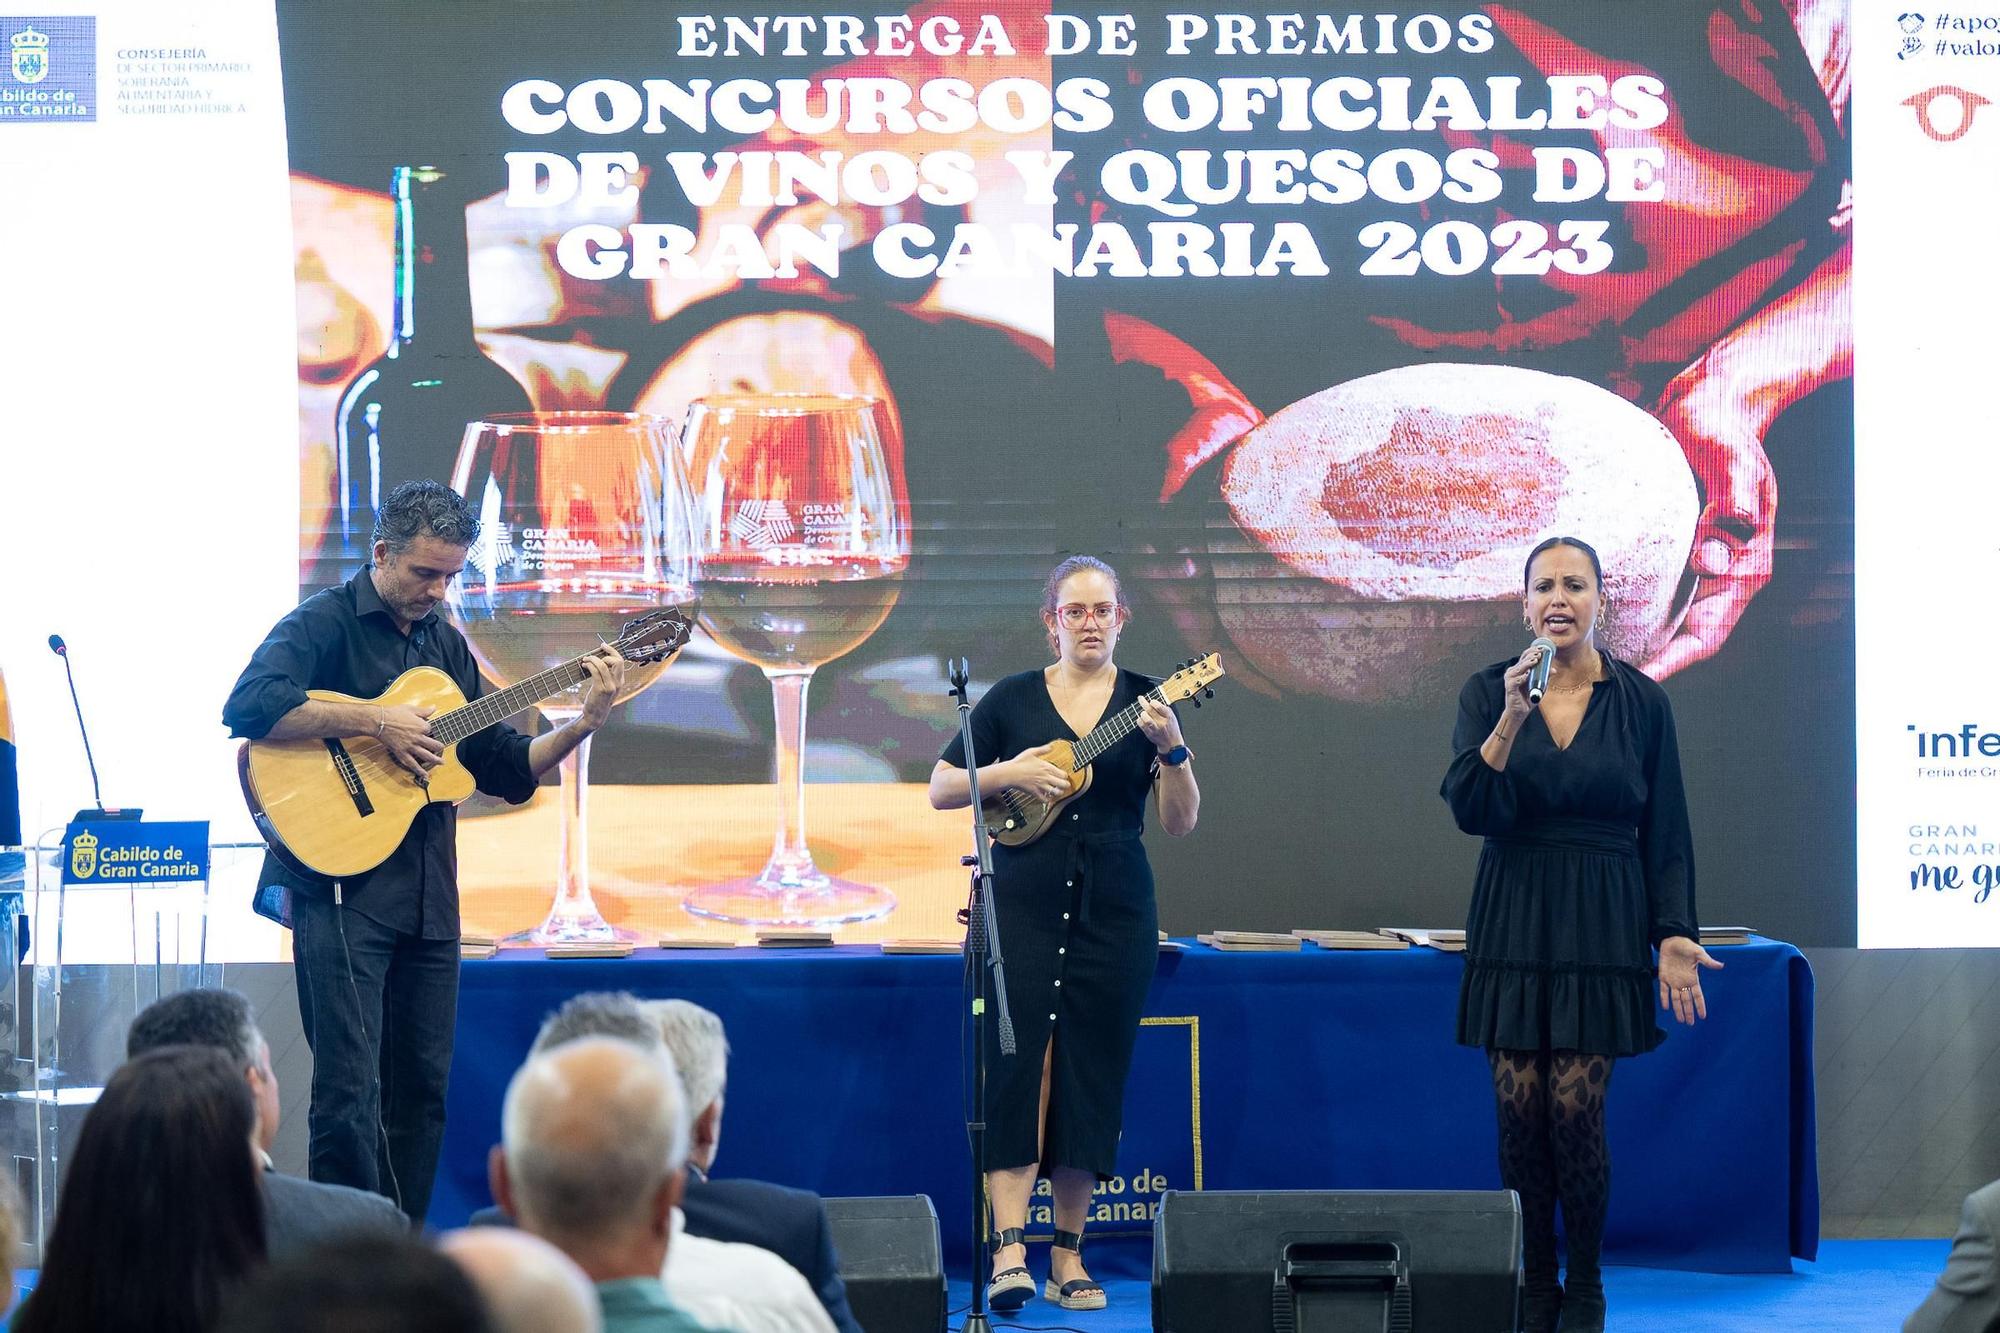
[[484, 711], [1110, 731]]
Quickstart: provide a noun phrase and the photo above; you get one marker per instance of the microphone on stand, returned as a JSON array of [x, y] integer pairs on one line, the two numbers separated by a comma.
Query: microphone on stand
[[61, 649], [1538, 674]]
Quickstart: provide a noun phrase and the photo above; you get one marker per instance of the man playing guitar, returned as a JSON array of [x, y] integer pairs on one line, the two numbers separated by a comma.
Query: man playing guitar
[[377, 954]]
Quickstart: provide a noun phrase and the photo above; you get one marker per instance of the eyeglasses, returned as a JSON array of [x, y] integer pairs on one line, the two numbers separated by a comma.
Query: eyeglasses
[[1076, 616]]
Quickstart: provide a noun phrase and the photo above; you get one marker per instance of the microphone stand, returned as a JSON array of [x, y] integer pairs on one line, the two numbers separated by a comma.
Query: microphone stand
[[97, 812], [982, 953]]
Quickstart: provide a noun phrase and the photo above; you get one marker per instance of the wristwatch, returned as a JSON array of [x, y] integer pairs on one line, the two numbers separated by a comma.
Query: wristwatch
[[1177, 756]]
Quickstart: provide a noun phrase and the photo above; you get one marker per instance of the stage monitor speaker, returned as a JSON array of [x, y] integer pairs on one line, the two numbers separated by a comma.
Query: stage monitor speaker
[[1299, 1261], [892, 1263]]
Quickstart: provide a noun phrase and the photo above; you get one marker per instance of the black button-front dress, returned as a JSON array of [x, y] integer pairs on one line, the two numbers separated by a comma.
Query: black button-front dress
[[1080, 933], [1588, 864]]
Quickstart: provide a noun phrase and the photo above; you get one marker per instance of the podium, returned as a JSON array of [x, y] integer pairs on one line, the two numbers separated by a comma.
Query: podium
[[77, 962]]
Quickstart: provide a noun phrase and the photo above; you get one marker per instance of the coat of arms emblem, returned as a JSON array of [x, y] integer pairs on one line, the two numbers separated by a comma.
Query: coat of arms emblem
[[31, 56], [83, 855]]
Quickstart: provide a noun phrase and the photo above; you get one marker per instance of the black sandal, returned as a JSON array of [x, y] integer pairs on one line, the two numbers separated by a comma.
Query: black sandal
[[1011, 1288], [1079, 1293]]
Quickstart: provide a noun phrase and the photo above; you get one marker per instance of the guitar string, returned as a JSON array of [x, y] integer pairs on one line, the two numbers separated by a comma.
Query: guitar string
[[483, 712], [488, 709], [1114, 729], [1109, 732], [1102, 737]]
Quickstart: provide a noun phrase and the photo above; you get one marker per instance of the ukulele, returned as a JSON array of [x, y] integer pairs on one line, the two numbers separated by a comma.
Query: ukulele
[[1017, 818], [340, 806]]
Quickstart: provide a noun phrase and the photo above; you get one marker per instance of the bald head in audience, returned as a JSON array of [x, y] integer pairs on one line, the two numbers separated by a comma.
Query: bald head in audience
[[593, 1145], [528, 1284]]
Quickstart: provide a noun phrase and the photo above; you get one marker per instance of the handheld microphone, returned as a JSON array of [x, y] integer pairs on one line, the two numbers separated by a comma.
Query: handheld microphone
[[1538, 674], [61, 649]]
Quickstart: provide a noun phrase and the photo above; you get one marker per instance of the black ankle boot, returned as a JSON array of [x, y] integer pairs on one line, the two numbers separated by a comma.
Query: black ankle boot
[[1541, 1306], [1541, 1293], [1583, 1305]]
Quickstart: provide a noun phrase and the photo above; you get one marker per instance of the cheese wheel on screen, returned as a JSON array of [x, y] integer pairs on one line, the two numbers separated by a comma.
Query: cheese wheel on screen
[[1388, 518]]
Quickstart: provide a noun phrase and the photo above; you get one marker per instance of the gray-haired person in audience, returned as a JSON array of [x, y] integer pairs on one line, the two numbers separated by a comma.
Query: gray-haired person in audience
[[529, 1285], [791, 1223], [724, 1278], [593, 1145], [297, 1212]]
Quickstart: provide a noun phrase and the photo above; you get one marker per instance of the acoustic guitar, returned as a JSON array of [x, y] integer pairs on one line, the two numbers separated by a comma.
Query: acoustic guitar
[[1017, 818], [340, 806]]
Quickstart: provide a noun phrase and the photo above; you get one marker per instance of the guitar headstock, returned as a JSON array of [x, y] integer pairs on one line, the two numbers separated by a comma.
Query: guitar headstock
[[655, 636], [1193, 678]]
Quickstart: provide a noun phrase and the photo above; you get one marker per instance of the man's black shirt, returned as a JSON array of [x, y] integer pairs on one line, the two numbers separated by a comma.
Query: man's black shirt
[[345, 639]]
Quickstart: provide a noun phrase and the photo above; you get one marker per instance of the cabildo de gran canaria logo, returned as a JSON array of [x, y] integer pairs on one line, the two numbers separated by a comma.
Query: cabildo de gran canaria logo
[[52, 71], [135, 852]]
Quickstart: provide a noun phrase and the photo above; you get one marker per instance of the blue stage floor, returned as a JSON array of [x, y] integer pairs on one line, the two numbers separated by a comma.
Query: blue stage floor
[[1856, 1285]]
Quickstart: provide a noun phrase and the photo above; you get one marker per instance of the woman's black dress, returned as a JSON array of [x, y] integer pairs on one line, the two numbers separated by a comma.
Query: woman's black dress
[[1588, 863], [1080, 932]]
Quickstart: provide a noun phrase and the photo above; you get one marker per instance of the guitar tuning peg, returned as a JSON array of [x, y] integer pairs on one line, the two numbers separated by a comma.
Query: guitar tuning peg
[[1208, 694], [1196, 702]]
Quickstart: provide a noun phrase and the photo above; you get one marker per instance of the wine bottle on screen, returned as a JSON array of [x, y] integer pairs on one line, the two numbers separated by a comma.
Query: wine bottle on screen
[[403, 416]]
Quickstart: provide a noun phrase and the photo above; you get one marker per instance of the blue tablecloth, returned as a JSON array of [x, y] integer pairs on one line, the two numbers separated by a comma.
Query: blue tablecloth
[[1314, 1070]]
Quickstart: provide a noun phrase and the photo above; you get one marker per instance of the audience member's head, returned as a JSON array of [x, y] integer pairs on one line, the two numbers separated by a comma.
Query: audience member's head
[[597, 1014], [220, 1019], [528, 1284], [695, 1038], [359, 1284], [594, 1141], [160, 1214]]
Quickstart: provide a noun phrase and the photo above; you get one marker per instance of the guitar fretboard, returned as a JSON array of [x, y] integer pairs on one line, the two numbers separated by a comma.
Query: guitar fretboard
[[1111, 730], [483, 712]]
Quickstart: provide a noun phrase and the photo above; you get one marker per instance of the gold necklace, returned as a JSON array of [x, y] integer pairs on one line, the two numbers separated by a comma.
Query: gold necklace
[[1573, 689]]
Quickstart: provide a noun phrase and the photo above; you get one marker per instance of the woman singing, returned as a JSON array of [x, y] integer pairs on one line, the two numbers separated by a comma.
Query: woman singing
[[1588, 866], [1077, 920]]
